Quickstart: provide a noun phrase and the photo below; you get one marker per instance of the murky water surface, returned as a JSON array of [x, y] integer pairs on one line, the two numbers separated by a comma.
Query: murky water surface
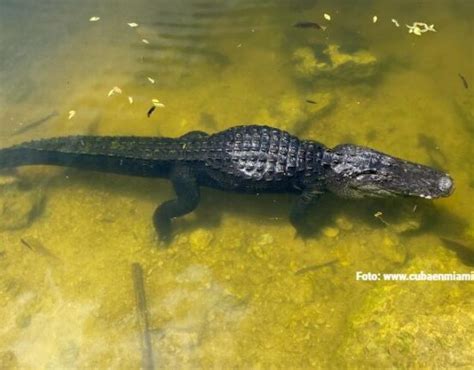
[[230, 291]]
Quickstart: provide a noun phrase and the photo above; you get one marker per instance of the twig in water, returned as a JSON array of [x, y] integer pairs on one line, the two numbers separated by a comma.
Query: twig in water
[[142, 313]]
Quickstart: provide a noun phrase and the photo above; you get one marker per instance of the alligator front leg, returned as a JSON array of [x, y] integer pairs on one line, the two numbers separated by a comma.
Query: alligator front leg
[[187, 198], [300, 208]]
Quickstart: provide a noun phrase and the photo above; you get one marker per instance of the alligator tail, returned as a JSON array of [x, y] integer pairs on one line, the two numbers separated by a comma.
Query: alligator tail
[[142, 156]]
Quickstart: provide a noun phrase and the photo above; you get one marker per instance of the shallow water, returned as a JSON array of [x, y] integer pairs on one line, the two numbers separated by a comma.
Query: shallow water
[[229, 291]]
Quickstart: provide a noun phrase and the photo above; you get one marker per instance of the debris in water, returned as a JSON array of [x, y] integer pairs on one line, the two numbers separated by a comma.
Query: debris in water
[[379, 216], [327, 16], [150, 111], [374, 19], [115, 90], [142, 316], [72, 113], [419, 27], [130, 99], [157, 103], [94, 19], [34, 124], [310, 101], [145, 41], [314, 25], [395, 22], [133, 24], [151, 80], [317, 267], [464, 81]]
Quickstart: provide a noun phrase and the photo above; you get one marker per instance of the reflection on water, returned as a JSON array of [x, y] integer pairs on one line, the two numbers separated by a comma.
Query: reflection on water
[[236, 288]]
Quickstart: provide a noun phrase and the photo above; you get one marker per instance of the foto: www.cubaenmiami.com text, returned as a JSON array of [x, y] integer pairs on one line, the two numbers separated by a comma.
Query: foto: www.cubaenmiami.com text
[[419, 276]]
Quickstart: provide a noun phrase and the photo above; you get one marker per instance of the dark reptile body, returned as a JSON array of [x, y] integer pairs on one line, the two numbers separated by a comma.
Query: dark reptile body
[[244, 158]]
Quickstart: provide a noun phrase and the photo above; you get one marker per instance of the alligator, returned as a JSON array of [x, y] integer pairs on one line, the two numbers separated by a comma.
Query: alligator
[[247, 158]]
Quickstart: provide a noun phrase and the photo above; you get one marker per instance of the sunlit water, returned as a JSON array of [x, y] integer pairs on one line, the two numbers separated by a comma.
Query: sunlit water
[[225, 294]]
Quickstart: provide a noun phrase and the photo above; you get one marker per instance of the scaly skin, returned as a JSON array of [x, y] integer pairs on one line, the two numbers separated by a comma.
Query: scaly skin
[[244, 159]]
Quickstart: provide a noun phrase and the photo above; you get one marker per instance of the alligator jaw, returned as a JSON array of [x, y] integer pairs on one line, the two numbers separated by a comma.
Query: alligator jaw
[[358, 172]]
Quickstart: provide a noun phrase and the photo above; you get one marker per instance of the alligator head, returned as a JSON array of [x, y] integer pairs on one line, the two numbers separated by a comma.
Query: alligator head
[[356, 172]]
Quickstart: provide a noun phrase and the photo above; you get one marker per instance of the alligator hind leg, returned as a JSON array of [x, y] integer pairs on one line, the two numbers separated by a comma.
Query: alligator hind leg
[[187, 198]]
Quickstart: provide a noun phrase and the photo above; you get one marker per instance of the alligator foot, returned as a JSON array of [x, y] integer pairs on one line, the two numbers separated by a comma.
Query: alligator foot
[[187, 192]]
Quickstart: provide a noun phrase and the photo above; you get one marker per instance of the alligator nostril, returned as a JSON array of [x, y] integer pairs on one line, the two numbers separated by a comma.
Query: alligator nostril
[[446, 185]]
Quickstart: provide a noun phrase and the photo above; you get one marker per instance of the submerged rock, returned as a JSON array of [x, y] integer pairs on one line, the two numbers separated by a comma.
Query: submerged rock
[[330, 232], [343, 223], [200, 239], [335, 63]]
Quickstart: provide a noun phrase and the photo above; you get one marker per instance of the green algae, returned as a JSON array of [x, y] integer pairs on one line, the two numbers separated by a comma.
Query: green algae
[[349, 67]]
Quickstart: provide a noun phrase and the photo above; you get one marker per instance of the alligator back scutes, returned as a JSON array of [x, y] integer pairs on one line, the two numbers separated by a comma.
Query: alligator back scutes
[[255, 152]]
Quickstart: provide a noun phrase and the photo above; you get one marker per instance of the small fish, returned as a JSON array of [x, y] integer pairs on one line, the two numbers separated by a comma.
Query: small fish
[[145, 41], [317, 267], [133, 24], [374, 19], [151, 80], [130, 99], [464, 81], [309, 25], [34, 124], [94, 19], [327, 16], [71, 114], [150, 111], [36, 246], [464, 251], [26, 244], [395, 22], [310, 101]]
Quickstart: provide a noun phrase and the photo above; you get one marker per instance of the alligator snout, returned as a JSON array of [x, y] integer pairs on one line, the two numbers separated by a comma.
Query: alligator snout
[[446, 185]]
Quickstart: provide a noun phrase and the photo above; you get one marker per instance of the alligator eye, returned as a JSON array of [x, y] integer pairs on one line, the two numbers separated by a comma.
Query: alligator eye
[[363, 174]]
